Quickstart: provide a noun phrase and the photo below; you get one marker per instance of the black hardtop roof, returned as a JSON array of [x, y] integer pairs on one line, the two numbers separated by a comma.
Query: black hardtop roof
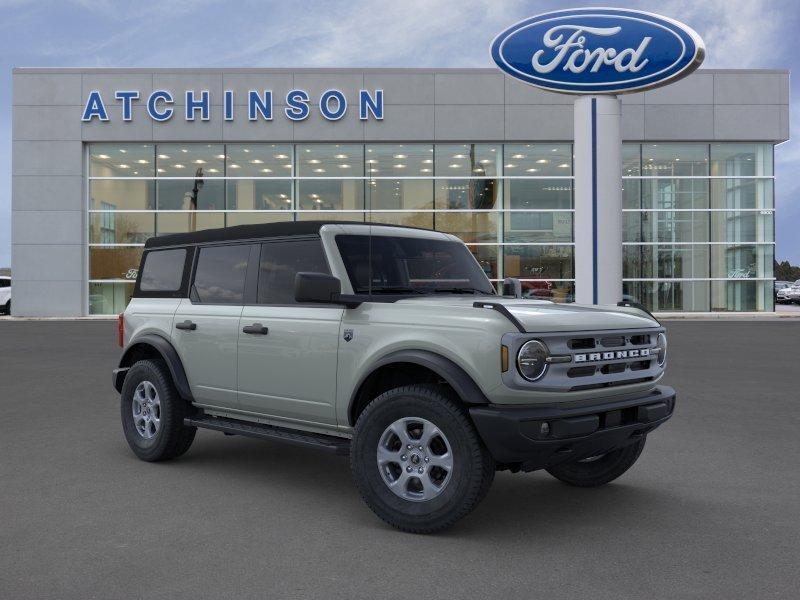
[[250, 232]]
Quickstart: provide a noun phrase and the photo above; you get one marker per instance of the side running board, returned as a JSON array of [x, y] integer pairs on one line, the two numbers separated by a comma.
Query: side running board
[[503, 311], [328, 443]]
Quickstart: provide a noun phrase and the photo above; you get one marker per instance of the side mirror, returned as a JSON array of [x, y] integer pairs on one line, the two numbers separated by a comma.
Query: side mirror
[[317, 287], [512, 287]]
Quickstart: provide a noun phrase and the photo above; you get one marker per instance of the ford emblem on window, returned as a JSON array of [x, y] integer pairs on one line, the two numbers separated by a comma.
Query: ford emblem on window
[[598, 50]]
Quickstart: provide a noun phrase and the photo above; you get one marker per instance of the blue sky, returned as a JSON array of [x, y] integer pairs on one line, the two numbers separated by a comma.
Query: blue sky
[[409, 33]]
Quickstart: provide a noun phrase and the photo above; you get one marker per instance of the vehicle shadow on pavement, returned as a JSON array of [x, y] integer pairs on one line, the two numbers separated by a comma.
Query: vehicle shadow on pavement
[[518, 504]]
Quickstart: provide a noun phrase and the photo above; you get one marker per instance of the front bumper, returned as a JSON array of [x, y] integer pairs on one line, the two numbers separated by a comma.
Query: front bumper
[[534, 437]]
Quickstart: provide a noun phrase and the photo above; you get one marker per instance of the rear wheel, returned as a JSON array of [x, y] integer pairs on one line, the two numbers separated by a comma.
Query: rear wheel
[[152, 413], [598, 470], [7, 309], [417, 460]]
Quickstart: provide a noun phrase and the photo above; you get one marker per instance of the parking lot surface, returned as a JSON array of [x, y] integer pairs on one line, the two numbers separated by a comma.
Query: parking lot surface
[[711, 510]]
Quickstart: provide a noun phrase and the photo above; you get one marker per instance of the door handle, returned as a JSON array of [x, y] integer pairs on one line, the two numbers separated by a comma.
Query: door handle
[[187, 325], [256, 328]]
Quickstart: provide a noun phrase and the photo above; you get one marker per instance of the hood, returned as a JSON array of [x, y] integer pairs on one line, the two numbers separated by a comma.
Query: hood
[[541, 315]]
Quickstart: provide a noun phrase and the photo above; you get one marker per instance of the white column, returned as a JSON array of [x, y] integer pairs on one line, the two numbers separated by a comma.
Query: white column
[[598, 200]]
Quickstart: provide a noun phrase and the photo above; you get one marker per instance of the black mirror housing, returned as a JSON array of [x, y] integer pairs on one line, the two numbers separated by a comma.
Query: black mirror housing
[[317, 287]]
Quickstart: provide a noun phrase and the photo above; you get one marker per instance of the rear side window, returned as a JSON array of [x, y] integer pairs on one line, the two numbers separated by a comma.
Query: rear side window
[[220, 274], [280, 262], [163, 270]]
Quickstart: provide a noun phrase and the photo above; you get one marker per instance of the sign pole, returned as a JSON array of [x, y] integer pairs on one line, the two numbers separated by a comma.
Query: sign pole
[[598, 200]]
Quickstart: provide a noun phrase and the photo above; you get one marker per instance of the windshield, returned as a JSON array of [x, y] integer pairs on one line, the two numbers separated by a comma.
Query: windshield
[[409, 265]]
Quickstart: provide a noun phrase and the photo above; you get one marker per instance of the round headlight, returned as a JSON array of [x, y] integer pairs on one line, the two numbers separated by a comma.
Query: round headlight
[[661, 344], [531, 360]]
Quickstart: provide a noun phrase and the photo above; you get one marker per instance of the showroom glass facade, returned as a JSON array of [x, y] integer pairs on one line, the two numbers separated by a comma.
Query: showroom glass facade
[[698, 217]]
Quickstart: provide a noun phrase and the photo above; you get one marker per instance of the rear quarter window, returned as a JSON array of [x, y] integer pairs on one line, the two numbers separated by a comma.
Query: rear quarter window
[[163, 270]]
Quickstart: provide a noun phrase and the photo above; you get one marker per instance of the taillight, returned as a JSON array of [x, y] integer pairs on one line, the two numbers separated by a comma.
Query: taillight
[[121, 330]]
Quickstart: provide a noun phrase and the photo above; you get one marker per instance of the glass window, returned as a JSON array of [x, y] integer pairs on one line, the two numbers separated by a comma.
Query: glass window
[[674, 193], [331, 194], [471, 227], [198, 193], [742, 296], [109, 298], [259, 194], [220, 274], [330, 160], [424, 220], [114, 263], [190, 160], [741, 160], [665, 261], [742, 261], [249, 218], [121, 160], [538, 227], [538, 194], [467, 160], [399, 160], [163, 270], [670, 226], [259, 160], [631, 160], [539, 262], [668, 295], [674, 160], [537, 160], [466, 193], [743, 226], [122, 194], [631, 193], [742, 193], [402, 194], [409, 265], [188, 221], [121, 227], [280, 262]]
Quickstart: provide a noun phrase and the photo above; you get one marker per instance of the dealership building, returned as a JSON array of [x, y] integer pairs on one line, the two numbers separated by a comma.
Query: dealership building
[[103, 159]]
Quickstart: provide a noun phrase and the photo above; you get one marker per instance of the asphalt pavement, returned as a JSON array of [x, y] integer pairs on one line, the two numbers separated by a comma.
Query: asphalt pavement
[[711, 510]]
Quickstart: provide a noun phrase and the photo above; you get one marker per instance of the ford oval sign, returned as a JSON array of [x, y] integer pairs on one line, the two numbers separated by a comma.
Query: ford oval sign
[[598, 50]]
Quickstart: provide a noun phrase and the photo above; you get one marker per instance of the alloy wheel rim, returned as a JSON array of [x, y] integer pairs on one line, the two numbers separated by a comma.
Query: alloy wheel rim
[[146, 410], [415, 459]]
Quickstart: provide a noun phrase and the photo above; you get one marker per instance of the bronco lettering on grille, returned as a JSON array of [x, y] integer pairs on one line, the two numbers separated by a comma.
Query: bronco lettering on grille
[[618, 354]]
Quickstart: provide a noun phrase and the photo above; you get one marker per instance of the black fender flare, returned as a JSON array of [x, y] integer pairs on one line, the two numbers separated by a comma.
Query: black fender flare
[[167, 352], [461, 382]]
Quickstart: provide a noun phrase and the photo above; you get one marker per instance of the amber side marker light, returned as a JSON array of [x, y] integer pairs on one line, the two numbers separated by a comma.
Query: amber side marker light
[[504, 358]]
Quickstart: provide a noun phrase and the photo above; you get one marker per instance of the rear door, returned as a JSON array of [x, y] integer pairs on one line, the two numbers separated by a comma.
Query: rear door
[[288, 351], [205, 327]]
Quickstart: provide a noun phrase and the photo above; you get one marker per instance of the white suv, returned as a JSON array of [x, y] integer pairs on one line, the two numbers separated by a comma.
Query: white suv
[[5, 295]]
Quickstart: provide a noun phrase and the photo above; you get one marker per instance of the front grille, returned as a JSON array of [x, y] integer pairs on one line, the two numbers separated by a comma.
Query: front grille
[[597, 359]]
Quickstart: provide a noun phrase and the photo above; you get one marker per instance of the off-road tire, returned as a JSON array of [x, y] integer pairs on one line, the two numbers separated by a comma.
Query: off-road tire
[[173, 437], [600, 471], [473, 466]]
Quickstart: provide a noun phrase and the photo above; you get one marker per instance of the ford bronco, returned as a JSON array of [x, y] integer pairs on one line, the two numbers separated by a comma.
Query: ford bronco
[[390, 345]]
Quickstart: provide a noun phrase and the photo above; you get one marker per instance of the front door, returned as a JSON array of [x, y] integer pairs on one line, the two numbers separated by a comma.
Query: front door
[[288, 351], [206, 325]]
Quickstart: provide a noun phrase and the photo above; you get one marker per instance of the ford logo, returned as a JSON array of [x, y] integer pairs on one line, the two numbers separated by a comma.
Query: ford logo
[[598, 50]]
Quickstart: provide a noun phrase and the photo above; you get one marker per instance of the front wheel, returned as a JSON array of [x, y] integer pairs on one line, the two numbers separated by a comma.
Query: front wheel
[[598, 470], [418, 461]]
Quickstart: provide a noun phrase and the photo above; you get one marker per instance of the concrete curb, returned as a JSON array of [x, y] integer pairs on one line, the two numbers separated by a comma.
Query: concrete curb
[[744, 316]]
